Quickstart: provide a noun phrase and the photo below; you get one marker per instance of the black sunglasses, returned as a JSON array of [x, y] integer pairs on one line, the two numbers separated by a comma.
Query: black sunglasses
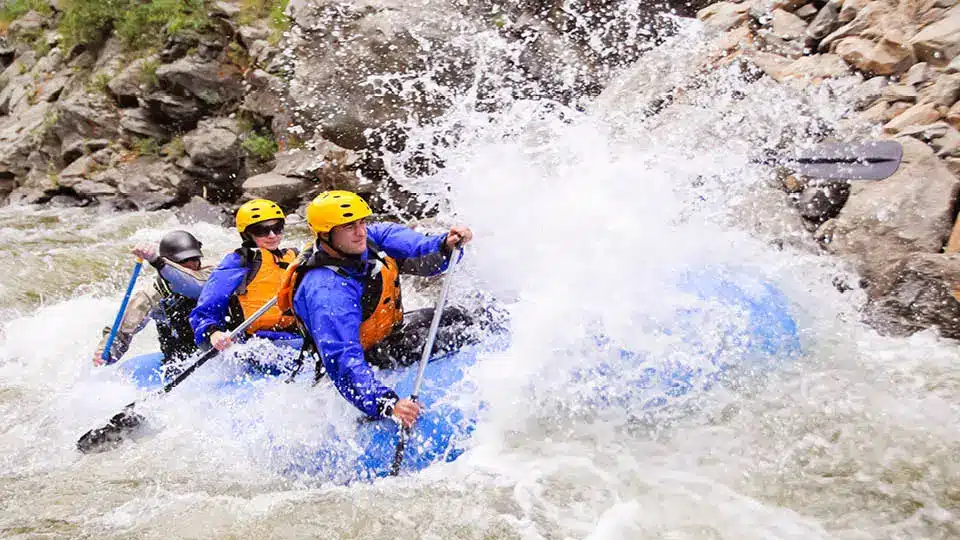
[[261, 229]]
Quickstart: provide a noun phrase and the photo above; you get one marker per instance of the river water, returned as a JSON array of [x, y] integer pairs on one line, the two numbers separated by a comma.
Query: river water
[[582, 216]]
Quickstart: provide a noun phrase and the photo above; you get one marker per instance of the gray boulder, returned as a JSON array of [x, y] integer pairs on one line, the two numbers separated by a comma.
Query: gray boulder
[[29, 23], [128, 85], [917, 292], [214, 145], [328, 165], [391, 43], [212, 83], [912, 211], [85, 122], [199, 210], [285, 190], [21, 135], [148, 183], [77, 175], [176, 111], [266, 97], [819, 203], [939, 43], [140, 124]]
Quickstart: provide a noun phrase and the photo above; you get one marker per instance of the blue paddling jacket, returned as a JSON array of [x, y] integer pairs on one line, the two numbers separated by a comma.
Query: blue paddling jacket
[[329, 303], [243, 282]]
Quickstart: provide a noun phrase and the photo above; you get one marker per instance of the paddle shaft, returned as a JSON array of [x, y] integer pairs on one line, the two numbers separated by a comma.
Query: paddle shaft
[[424, 358], [213, 352], [127, 419], [207, 355], [434, 327], [105, 355]]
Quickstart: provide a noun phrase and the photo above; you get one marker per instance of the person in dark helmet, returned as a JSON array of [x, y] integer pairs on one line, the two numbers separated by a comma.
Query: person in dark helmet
[[168, 302]]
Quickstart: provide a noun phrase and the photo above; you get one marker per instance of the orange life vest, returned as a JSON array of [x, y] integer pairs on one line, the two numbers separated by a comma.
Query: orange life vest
[[264, 277], [380, 304]]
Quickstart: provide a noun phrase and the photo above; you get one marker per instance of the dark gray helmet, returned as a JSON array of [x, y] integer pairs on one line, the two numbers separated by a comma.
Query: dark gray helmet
[[178, 246]]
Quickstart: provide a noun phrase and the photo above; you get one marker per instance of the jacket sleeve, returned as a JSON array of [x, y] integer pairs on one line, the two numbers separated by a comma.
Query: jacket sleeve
[[329, 309], [416, 253], [213, 304], [139, 311], [182, 280]]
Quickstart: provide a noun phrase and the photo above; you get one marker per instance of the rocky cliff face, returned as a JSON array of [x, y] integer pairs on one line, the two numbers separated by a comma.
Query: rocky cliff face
[[145, 105], [103, 121], [900, 233]]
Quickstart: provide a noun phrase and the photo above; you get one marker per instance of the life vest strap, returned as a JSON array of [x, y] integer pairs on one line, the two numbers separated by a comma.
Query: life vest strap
[[252, 259], [381, 306]]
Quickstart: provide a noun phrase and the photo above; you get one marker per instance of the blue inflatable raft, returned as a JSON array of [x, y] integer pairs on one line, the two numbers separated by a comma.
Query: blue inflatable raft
[[754, 331]]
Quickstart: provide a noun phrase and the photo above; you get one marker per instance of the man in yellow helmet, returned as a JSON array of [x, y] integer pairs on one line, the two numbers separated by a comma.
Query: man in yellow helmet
[[247, 279], [345, 293]]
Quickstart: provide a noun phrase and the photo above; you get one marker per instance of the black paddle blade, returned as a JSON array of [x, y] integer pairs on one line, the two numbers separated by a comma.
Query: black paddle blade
[[122, 426], [870, 160]]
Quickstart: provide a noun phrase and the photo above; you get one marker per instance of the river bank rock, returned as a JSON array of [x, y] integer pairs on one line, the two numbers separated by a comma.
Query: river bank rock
[[320, 73], [407, 58], [895, 230], [301, 174]]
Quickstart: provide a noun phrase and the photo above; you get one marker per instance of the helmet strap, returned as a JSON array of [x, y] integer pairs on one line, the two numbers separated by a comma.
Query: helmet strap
[[328, 242]]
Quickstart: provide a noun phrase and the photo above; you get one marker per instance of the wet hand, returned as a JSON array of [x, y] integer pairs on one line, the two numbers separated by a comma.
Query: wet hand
[[98, 359], [406, 411], [145, 252], [220, 340], [459, 236]]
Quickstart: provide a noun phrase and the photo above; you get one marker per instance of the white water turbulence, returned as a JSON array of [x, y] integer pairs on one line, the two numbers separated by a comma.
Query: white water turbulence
[[585, 220]]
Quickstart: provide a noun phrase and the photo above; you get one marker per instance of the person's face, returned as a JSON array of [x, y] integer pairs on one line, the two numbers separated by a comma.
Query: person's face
[[267, 234], [192, 264], [350, 238]]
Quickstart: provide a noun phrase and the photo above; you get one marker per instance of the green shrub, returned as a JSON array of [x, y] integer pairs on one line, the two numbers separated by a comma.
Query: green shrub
[[137, 24], [14, 9], [251, 10], [278, 15], [274, 10], [146, 24], [50, 119], [263, 147], [174, 149], [148, 74], [244, 121], [36, 40], [146, 147], [295, 143], [238, 56], [279, 21], [98, 83], [86, 21], [40, 46]]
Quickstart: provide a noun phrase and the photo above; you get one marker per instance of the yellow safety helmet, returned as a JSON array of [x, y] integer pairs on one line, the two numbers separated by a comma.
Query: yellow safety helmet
[[257, 211], [332, 208]]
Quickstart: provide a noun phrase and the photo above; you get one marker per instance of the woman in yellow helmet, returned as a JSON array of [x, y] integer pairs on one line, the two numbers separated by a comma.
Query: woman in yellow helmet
[[247, 279], [345, 293]]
